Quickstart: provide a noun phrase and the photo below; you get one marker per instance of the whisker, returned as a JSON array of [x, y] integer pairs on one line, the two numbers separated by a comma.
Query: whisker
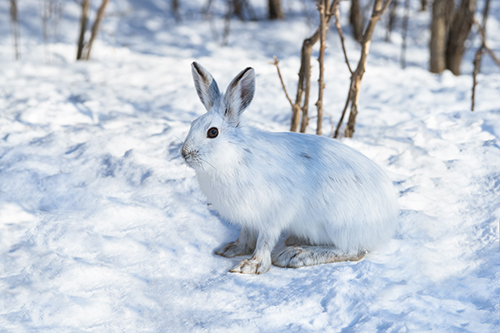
[[178, 138], [207, 163]]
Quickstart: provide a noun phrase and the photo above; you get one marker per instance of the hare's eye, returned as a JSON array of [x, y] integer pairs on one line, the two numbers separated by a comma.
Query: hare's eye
[[212, 133]]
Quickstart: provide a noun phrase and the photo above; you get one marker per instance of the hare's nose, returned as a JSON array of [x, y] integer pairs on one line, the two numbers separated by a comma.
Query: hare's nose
[[184, 153]]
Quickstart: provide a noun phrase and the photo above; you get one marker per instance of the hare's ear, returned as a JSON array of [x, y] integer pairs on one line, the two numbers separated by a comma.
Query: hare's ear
[[239, 94], [206, 87]]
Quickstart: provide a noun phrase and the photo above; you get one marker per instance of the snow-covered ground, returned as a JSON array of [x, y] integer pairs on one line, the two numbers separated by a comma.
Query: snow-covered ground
[[103, 227]]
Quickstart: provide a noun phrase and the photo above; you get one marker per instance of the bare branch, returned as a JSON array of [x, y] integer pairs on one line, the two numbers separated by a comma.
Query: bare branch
[[322, 8], [305, 79], [379, 8], [83, 28], [480, 51], [483, 38], [336, 12], [486, 11], [95, 27], [347, 102], [302, 85], [381, 11], [276, 63]]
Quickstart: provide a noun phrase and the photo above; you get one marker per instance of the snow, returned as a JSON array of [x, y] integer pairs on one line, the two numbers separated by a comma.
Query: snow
[[103, 227]]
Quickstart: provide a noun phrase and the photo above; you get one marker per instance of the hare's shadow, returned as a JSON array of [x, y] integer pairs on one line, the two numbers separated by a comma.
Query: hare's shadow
[[232, 230]]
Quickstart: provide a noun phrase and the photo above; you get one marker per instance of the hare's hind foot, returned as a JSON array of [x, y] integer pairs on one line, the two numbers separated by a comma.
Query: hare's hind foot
[[300, 256]]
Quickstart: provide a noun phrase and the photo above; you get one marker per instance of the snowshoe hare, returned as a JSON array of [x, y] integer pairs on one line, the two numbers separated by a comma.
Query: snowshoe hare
[[335, 203]]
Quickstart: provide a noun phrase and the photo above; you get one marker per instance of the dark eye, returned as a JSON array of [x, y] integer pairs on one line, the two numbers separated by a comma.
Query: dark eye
[[212, 133]]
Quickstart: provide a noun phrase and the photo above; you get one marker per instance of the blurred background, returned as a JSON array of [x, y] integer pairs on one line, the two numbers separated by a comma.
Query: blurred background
[[103, 226]]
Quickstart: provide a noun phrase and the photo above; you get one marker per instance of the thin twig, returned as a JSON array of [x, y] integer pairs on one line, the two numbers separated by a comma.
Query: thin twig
[[331, 123], [303, 85], [276, 63], [227, 22], [479, 53], [347, 102], [206, 9], [379, 8], [44, 15], [486, 11], [483, 38], [476, 62], [336, 12]]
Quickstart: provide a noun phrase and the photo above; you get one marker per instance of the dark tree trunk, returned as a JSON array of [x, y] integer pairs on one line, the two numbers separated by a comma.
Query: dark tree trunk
[[275, 10], [14, 25], [406, 18], [441, 12], [174, 5], [83, 28], [459, 32], [95, 27], [423, 5], [392, 18], [238, 9]]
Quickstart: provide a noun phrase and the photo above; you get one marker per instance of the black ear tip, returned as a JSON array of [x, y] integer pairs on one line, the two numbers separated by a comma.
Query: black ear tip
[[197, 67], [249, 72]]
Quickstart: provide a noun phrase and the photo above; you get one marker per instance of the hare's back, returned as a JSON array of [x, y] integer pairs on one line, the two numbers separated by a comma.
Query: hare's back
[[318, 154]]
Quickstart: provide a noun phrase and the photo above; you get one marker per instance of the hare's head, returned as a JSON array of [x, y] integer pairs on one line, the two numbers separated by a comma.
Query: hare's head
[[212, 136]]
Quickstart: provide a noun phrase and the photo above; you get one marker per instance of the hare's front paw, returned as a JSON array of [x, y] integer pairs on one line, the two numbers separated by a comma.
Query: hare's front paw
[[251, 266], [233, 249]]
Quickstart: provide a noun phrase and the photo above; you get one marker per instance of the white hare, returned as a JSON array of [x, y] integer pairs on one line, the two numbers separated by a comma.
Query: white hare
[[335, 203]]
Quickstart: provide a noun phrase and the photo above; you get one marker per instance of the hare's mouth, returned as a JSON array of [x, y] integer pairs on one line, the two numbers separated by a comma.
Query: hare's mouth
[[191, 158]]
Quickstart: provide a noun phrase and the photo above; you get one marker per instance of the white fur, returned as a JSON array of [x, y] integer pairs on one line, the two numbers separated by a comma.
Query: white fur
[[314, 187]]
